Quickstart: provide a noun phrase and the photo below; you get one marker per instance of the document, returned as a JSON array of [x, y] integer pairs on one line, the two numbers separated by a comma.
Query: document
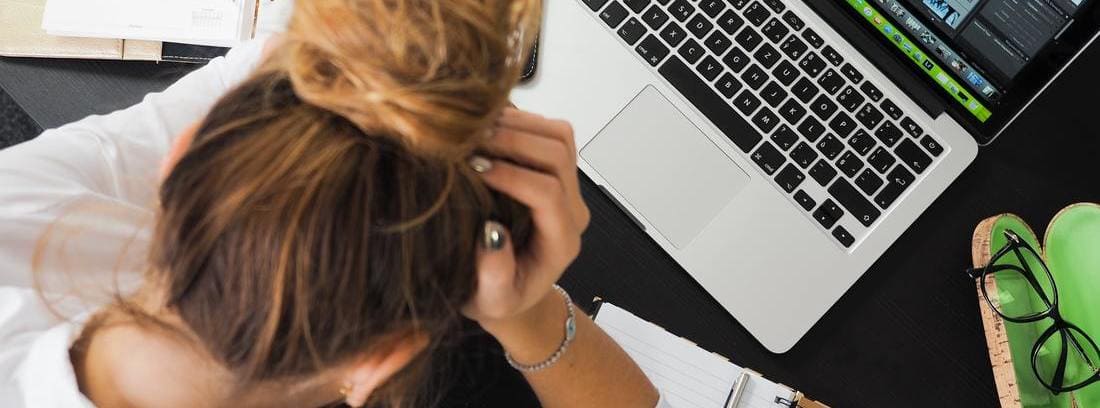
[[222, 23]]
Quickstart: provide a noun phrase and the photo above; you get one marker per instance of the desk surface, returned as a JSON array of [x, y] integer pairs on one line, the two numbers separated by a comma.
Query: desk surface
[[907, 334]]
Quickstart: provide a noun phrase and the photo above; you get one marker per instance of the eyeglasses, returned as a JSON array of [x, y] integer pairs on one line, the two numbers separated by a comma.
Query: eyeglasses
[[1063, 358]]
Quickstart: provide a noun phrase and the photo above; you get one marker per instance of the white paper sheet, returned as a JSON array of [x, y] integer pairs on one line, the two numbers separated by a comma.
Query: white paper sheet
[[204, 22], [687, 375]]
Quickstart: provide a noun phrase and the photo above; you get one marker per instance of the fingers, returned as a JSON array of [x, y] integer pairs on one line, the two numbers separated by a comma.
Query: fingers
[[542, 193], [538, 125], [546, 154], [496, 274]]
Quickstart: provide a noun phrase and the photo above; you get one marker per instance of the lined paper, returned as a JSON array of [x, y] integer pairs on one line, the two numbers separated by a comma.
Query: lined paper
[[687, 375]]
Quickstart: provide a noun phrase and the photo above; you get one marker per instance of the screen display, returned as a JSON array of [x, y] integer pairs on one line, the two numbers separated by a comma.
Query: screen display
[[974, 49]]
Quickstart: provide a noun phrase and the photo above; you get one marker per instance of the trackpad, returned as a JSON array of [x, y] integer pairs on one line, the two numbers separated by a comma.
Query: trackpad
[[665, 167]]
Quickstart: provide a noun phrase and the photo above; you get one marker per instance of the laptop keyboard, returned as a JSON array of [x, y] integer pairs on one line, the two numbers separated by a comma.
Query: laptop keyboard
[[828, 138]]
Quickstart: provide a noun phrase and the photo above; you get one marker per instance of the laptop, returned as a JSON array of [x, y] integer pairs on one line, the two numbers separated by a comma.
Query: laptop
[[776, 148]]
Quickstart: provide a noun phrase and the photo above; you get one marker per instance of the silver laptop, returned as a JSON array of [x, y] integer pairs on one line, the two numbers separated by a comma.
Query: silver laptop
[[776, 148]]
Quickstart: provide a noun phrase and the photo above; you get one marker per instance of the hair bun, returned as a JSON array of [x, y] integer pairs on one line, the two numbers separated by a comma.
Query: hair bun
[[431, 73]]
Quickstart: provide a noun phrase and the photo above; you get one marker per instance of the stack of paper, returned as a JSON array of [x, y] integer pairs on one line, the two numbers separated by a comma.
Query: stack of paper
[[223, 23]]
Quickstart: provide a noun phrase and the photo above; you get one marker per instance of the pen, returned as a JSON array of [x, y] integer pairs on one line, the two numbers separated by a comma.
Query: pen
[[738, 389]]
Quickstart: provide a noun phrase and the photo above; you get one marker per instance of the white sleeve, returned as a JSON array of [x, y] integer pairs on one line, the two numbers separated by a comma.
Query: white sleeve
[[103, 161]]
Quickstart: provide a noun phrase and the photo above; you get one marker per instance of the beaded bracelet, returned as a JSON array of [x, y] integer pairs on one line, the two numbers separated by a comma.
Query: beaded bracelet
[[570, 334]]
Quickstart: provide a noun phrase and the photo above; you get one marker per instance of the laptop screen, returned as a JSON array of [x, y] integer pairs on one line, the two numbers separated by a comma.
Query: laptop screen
[[975, 50]]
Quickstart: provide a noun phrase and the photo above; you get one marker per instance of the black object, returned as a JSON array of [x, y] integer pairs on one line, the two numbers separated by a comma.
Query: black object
[[1082, 344]]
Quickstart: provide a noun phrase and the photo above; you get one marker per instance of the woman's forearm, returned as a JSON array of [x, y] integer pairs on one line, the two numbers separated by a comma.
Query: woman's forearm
[[594, 371]]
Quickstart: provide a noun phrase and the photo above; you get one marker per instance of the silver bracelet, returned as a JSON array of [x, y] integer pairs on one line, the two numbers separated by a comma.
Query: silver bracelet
[[570, 334]]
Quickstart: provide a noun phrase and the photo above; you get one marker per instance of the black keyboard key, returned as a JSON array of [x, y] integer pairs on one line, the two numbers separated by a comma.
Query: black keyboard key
[[896, 183], [853, 75], [812, 64], [636, 5], [595, 5], [869, 116], [614, 14], [655, 17], [652, 50], [849, 164], [776, 5], [931, 145], [775, 30], [728, 85], [710, 104], [756, 13], [785, 73], [913, 156], [681, 9], [831, 55], [831, 81], [869, 182], [767, 56], [871, 91], [730, 22], [632, 31], [699, 26], [754, 77], [773, 94], [736, 60], [843, 125], [854, 202], [692, 51], [805, 90], [673, 34], [765, 119], [888, 134], [768, 158], [830, 146], [793, 20], [718, 43], [793, 47], [784, 137], [811, 37], [790, 178], [911, 127], [891, 109], [850, 98], [746, 102], [792, 111], [811, 129], [843, 236], [663, 2], [828, 214], [822, 172], [862, 142], [805, 200], [709, 68], [881, 160], [804, 155], [738, 4], [823, 107], [748, 38], [712, 7]]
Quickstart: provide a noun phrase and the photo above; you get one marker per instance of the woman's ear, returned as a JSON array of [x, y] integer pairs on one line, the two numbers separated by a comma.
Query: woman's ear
[[365, 376], [179, 147]]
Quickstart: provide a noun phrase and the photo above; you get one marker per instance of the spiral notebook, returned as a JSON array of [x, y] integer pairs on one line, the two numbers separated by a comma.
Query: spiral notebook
[[689, 376]]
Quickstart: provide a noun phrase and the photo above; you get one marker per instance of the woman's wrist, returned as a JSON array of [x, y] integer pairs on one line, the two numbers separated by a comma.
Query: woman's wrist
[[530, 337]]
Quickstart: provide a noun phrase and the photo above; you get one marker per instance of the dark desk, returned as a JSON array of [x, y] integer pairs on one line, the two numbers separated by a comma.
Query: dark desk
[[907, 334]]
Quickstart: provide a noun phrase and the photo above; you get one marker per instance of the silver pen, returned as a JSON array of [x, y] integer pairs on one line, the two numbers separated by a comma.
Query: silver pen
[[738, 389]]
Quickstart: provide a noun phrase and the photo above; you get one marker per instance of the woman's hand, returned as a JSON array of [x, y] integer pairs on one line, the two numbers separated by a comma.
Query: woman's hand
[[540, 171]]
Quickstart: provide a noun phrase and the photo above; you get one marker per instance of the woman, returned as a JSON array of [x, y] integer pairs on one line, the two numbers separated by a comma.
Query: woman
[[315, 233]]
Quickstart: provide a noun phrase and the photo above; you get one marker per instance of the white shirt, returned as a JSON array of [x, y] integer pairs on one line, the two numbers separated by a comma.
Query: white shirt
[[95, 182]]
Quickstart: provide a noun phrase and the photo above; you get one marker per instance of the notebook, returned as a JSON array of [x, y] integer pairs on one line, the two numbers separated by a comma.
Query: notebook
[[687, 375]]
